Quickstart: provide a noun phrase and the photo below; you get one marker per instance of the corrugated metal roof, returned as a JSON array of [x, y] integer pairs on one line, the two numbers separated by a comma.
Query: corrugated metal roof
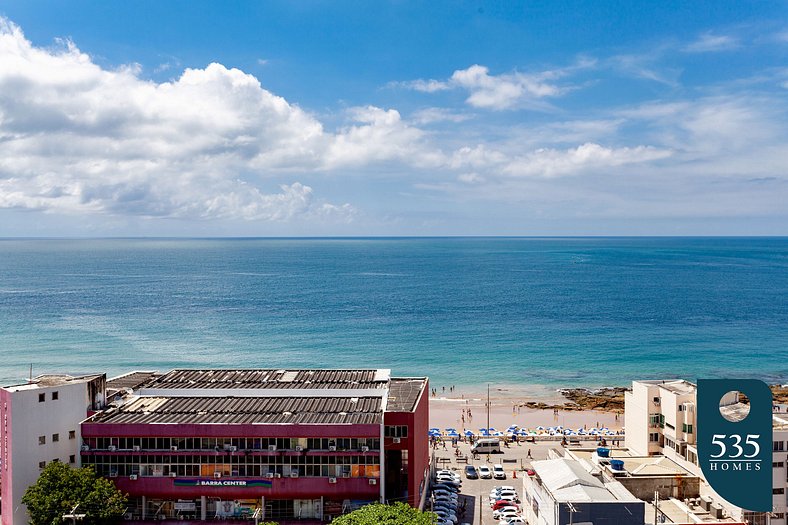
[[269, 379], [568, 481], [404, 392], [246, 410], [131, 380]]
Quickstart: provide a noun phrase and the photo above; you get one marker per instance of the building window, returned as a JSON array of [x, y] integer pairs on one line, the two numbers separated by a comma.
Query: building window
[[654, 437], [55, 395], [42, 440], [687, 429], [42, 398], [72, 459], [778, 491], [779, 446], [42, 464], [778, 464], [72, 434], [779, 515], [55, 438], [396, 431]]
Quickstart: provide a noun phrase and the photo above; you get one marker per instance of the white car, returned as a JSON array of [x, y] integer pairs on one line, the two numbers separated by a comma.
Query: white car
[[505, 513], [511, 521], [497, 491], [499, 488], [498, 472], [485, 472]]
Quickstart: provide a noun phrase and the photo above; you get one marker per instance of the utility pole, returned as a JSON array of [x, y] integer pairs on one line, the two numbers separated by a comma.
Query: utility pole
[[488, 408], [656, 507]]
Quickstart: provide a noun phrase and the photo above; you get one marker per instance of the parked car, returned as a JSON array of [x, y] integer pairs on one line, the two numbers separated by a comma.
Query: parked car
[[485, 472], [446, 486], [498, 472], [496, 494], [471, 472], [504, 503], [446, 516], [505, 513], [512, 521]]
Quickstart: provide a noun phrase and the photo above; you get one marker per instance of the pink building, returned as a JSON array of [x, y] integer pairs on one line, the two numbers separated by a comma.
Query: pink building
[[271, 444]]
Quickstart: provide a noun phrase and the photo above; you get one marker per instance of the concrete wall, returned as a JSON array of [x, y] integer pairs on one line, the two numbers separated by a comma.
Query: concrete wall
[[636, 412], [668, 487], [27, 420]]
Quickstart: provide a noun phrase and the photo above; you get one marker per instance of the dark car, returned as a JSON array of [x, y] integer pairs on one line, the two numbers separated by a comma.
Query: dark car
[[470, 472]]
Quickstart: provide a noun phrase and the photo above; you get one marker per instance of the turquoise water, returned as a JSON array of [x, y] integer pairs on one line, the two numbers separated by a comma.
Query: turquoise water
[[551, 312]]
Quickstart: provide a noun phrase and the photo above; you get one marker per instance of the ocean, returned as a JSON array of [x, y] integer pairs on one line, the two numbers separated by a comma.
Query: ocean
[[529, 313]]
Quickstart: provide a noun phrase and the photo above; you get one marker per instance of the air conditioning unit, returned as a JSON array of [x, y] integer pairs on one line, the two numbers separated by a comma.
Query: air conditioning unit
[[373, 481], [332, 480], [85, 448], [173, 475], [133, 477], [293, 473], [332, 448], [112, 448], [271, 448], [277, 475], [269, 475], [217, 475], [364, 449], [299, 448], [232, 448], [135, 448], [173, 448], [396, 440]]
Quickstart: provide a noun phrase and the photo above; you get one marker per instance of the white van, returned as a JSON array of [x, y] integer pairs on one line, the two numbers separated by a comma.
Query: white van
[[487, 446]]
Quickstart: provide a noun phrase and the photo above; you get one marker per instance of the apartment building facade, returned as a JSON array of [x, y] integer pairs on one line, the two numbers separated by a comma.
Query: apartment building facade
[[40, 423], [660, 419]]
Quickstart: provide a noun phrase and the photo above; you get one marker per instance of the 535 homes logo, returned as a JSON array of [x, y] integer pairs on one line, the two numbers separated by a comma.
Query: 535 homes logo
[[735, 440]]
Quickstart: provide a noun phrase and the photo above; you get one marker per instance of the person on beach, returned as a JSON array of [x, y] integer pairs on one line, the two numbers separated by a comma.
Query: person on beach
[[529, 454]]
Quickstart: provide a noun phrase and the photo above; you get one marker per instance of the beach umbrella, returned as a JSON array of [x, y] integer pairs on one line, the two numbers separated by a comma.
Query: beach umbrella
[[540, 427], [451, 430], [469, 432], [453, 434]]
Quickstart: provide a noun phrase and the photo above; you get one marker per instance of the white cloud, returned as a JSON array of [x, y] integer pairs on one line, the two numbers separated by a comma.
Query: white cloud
[[433, 115], [643, 66], [425, 86], [376, 136], [75, 137], [548, 162], [709, 42], [499, 92]]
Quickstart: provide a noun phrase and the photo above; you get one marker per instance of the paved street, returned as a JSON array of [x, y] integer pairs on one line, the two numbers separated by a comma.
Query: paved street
[[476, 492]]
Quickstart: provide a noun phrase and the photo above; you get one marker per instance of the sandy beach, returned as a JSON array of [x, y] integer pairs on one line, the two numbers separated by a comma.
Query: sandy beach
[[507, 407]]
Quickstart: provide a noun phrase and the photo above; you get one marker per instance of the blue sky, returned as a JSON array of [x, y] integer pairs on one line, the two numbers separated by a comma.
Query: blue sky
[[393, 118]]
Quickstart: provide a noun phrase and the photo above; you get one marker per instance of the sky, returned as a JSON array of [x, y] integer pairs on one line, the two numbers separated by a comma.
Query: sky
[[335, 118]]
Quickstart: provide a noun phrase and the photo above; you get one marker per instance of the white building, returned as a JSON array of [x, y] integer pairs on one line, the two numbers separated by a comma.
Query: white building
[[660, 419], [40, 423], [562, 492]]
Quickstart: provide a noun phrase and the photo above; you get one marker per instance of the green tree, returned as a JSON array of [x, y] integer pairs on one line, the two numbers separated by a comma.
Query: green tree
[[59, 488], [378, 513]]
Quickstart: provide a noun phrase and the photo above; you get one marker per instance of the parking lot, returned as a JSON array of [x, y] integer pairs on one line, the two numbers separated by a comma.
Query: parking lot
[[476, 492]]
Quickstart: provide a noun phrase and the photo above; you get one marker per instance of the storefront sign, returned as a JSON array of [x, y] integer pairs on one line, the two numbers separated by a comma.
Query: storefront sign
[[212, 482]]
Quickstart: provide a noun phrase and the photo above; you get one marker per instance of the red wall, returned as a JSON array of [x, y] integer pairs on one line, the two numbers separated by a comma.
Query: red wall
[[221, 430], [283, 488], [416, 443]]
